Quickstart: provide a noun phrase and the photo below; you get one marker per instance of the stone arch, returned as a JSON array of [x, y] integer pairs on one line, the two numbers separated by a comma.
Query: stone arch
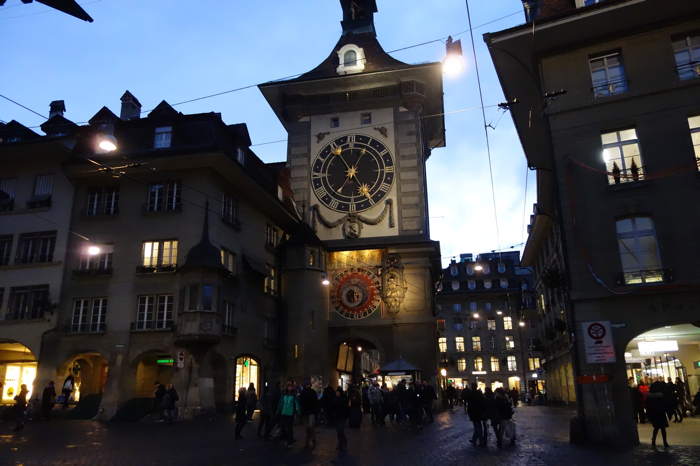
[[18, 366], [243, 376], [89, 369], [148, 368]]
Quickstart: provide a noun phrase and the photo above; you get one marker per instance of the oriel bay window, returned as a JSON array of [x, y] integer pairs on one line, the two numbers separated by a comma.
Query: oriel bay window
[[102, 201], [88, 315], [639, 252], [159, 256], [27, 302], [622, 157], [155, 312], [164, 197], [36, 247]]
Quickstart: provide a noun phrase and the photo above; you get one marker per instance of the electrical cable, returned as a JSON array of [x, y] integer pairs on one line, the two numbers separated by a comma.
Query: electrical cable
[[25, 107]]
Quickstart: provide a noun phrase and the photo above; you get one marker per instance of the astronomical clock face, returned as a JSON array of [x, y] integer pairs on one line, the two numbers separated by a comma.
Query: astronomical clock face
[[355, 293], [352, 173]]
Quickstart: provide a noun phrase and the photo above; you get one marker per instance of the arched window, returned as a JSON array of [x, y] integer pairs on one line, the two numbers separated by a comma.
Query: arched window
[[455, 285], [501, 267], [487, 284], [350, 58], [454, 271]]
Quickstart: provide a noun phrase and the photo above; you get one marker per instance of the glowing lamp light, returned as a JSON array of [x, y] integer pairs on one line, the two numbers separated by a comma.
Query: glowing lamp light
[[478, 268], [93, 250], [521, 323], [659, 346], [325, 281], [359, 348], [500, 313], [475, 315], [443, 372], [453, 64], [606, 155]]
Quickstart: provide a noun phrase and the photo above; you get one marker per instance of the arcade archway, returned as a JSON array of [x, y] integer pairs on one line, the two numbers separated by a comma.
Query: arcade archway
[[668, 352], [18, 366], [248, 370], [89, 371], [153, 367], [357, 359]]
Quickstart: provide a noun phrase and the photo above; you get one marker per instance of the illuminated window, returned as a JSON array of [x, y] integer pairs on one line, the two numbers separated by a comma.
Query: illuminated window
[[495, 364], [441, 325], [163, 137], [476, 343], [157, 254], [510, 342], [491, 324], [228, 260], [478, 363], [461, 364], [639, 252], [459, 344], [533, 363], [507, 323], [686, 51], [694, 124], [442, 344], [622, 157], [270, 285], [512, 363], [608, 75]]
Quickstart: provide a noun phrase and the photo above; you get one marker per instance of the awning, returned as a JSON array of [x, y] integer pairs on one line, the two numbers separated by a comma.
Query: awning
[[400, 365]]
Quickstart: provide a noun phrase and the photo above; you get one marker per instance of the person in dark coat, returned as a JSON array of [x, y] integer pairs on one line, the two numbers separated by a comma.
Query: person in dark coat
[[355, 415], [696, 402], [20, 407], [679, 386], [48, 399], [636, 397], [402, 398], [158, 394], [671, 400], [450, 394], [428, 396], [339, 414], [241, 412], [657, 411], [503, 412], [267, 413], [170, 400], [477, 411], [327, 404], [491, 414], [464, 395], [309, 405], [415, 405], [515, 396], [251, 401]]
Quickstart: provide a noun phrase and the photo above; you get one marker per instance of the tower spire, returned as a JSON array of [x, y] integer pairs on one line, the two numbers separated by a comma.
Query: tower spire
[[358, 16]]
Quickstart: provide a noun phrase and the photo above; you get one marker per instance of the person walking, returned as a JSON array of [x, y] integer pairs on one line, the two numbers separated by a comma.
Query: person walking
[[327, 404], [267, 413], [67, 390], [464, 395], [491, 414], [679, 386], [251, 401], [48, 399], [696, 402], [287, 408], [428, 396], [241, 412], [309, 407], [355, 415], [515, 397], [20, 407], [656, 411], [376, 401], [170, 399], [450, 393], [476, 412], [340, 412], [158, 394], [503, 415]]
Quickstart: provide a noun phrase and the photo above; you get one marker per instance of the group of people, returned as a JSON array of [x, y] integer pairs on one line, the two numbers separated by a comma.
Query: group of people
[[659, 401], [494, 407], [49, 399], [165, 400]]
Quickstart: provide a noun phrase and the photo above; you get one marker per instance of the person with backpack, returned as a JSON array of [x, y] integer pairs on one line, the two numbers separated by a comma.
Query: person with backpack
[[288, 407]]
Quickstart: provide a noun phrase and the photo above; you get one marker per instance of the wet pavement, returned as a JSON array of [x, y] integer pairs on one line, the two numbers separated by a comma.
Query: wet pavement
[[542, 432]]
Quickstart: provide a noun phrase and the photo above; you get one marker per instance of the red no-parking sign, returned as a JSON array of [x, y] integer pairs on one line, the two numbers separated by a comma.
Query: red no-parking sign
[[598, 342]]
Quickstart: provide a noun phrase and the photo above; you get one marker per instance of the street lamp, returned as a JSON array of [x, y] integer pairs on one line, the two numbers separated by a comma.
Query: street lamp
[[521, 323], [324, 280], [93, 250], [475, 315], [453, 64], [478, 267], [443, 372], [107, 143]]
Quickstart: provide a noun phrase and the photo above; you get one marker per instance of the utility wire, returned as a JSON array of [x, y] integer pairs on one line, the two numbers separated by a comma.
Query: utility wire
[[24, 107]]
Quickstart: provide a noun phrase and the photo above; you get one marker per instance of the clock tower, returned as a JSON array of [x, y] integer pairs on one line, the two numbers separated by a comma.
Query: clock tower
[[361, 127]]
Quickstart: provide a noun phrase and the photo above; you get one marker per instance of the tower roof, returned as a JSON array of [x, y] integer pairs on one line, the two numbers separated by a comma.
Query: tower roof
[[204, 254]]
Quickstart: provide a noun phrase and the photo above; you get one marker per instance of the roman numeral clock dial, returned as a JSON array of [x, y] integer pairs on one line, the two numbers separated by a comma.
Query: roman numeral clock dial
[[352, 173]]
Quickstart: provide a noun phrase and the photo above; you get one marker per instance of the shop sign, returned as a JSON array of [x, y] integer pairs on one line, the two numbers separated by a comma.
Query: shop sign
[[659, 346], [478, 372], [598, 342]]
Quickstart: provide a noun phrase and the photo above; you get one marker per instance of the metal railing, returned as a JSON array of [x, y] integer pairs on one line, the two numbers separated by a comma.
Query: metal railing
[[156, 269], [86, 327], [152, 325]]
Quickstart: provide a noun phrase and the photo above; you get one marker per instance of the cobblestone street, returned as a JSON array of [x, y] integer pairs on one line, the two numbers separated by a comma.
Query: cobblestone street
[[543, 440]]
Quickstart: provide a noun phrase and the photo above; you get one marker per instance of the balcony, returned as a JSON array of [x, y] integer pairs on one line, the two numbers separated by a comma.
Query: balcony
[[156, 269], [152, 326], [97, 272], [86, 328], [198, 327], [645, 277]]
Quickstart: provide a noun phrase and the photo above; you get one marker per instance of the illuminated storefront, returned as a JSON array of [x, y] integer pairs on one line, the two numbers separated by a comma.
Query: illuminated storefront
[[15, 376], [247, 372]]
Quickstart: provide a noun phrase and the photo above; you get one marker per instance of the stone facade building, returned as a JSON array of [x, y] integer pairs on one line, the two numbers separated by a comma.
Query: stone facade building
[[605, 97]]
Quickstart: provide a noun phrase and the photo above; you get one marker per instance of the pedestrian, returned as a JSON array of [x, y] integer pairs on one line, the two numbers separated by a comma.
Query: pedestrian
[[450, 393], [476, 411], [365, 398], [251, 401], [402, 401], [158, 394], [20, 407], [287, 408], [67, 389], [657, 411], [696, 402], [309, 406], [503, 413], [376, 400], [267, 413], [170, 399], [515, 396], [671, 400], [679, 386], [491, 415], [464, 395], [48, 399], [241, 412], [327, 404], [428, 396], [355, 415], [391, 404], [339, 414], [415, 407]]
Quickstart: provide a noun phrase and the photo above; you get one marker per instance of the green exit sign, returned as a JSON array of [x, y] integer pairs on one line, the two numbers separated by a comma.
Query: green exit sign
[[165, 362]]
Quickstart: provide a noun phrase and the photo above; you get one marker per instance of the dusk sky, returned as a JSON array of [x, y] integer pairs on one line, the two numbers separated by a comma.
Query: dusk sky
[[179, 50]]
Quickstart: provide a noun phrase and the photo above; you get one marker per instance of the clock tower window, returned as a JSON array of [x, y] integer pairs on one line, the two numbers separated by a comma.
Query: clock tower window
[[350, 58]]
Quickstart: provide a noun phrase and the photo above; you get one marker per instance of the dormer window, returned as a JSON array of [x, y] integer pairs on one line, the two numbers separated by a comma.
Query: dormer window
[[163, 137], [351, 59], [240, 156]]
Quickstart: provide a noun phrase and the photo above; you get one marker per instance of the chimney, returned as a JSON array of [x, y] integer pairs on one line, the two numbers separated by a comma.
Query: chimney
[[57, 107], [131, 107]]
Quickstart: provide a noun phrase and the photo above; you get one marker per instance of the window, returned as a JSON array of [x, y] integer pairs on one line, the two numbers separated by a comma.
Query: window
[[473, 324], [98, 263], [478, 363], [350, 58], [229, 326], [470, 269], [229, 209], [471, 284], [163, 137], [36, 247], [270, 332], [7, 194], [27, 302], [271, 236], [228, 260], [501, 267], [492, 343], [476, 343], [472, 306], [441, 325], [507, 323], [240, 156], [335, 122], [457, 307], [512, 363], [442, 344], [495, 364], [694, 124], [622, 157], [459, 344], [5, 249], [504, 283], [458, 325], [270, 286], [486, 269], [454, 270], [639, 252], [159, 254], [154, 312], [686, 51], [608, 75], [461, 364], [207, 297], [164, 197], [366, 118], [455, 285], [102, 201], [491, 324], [510, 342], [487, 284], [43, 188], [533, 363], [488, 306], [88, 315]]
